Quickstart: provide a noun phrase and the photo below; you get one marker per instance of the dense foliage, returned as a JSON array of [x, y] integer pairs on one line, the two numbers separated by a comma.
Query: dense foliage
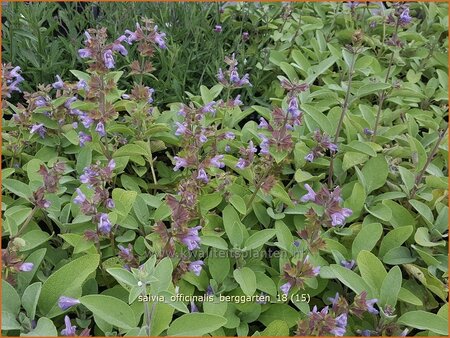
[[245, 169]]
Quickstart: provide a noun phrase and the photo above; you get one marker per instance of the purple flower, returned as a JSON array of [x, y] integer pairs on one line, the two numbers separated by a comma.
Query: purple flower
[[85, 120], [234, 76], [217, 161], [237, 101], [229, 135], [367, 131], [100, 129], [70, 101], [84, 138], [316, 271], [75, 125], [341, 320], [244, 81], [196, 267], [38, 128], [40, 102], [15, 72], [209, 290], [104, 224], [181, 128], [179, 163], [59, 84], [251, 147], [111, 165], [220, 75], [333, 147], [25, 267], [263, 124], [293, 107], [69, 330], [202, 175], [132, 36], [202, 138], [193, 307], [335, 299], [117, 45], [405, 18], [338, 218], [370, 308], [65, 303], [348, 264], [85, 53], [309, 157], [218, 28], [159, 39], [82, 85], [108, 59], [338, 331], [208, 108], [310, 196], [264, 145], [110, 203], [285, 288], [124, 251], [80, 197], [227, 148], [191, 239], [241, 163]]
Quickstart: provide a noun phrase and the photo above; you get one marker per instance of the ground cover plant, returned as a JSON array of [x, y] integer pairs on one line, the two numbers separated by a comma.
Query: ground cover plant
[[294, 181]]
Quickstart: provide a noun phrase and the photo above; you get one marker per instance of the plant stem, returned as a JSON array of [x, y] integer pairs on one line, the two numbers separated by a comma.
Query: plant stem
[[344, 111], [427, 163], [25, 224], [382, 94]]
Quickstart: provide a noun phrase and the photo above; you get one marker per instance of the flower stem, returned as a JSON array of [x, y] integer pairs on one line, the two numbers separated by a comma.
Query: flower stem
[[25, 224], [344, 111], [427, 163], [382, 94]]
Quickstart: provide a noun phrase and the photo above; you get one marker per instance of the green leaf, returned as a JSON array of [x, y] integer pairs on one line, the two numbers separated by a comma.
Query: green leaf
[[110, 309], [375, 173], [372, 88], [44, 328], [30, 298], [395, 238], [259, 238], [215, 242], [360, 147], [372, 270], [281, 312], [367, 238], [418, 152], [18, 188], [246, 279], [391, 287], [9, 321], [407, 296], [123, 276], [278, 191], [233, 226], [239, 204], [123, 201], [66, 281], [195, 324], [321, 121], [422, 237], [424, 211], [350, 279], [276, 328], [423, 320], [10, 299], [219, 266]]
